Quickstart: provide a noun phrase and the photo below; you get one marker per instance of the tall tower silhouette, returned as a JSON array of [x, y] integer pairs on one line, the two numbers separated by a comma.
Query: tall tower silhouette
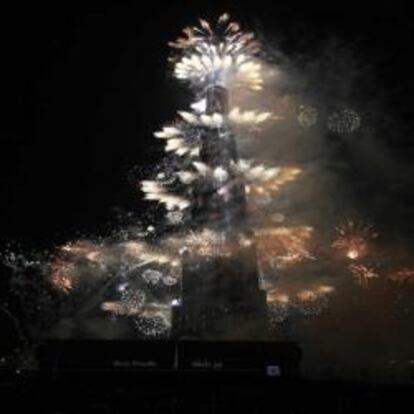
[[221, 298]]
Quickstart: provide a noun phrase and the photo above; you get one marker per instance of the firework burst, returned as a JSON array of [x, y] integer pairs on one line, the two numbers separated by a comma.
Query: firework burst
[[405, 275], [362, 273], [222, 54], [283, 246], [354, 239]]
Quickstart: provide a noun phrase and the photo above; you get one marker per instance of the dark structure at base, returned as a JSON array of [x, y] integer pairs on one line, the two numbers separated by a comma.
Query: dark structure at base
[[164, 358], [221, 298]]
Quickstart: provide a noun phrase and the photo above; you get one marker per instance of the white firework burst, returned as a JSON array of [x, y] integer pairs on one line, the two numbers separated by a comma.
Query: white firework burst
[[223, 54]]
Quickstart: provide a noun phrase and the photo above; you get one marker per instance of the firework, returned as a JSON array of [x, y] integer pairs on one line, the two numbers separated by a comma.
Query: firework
[[154, 320], [278, 312], [115, 308], [262, 181], [144, 254], [214, 121], [175, 217], [131, 303], [151, 276], [64, 275], [168, 132], [405, 275], [186, 177], [282, 246], [308, 302], [155, 325], [344, 121], [181, 138], [362, 273], [248, 117], [308, 116], [311, 303], [274, 296], [155, 191], [85, 249], [222, 53], [307, 295], [353, 239], [325, 289], [205, 243], [169, 280]]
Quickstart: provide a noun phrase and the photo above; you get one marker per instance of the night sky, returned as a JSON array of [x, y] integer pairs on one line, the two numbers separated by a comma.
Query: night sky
[[84, 87]]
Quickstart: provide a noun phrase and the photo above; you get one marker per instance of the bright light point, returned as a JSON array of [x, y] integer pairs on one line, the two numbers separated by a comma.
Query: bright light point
[[176, 302], [246, 242], [325, 289], [352, 254], [199, 106], [121, 287], [282, 298]]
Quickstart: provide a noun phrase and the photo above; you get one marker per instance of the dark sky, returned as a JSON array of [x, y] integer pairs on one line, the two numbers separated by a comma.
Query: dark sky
[[83, 87]]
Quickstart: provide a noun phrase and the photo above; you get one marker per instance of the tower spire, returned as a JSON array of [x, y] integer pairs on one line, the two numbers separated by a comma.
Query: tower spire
[[221, 298]]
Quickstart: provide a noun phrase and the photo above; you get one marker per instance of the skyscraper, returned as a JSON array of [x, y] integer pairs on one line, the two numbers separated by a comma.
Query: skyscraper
[[221, 297]]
